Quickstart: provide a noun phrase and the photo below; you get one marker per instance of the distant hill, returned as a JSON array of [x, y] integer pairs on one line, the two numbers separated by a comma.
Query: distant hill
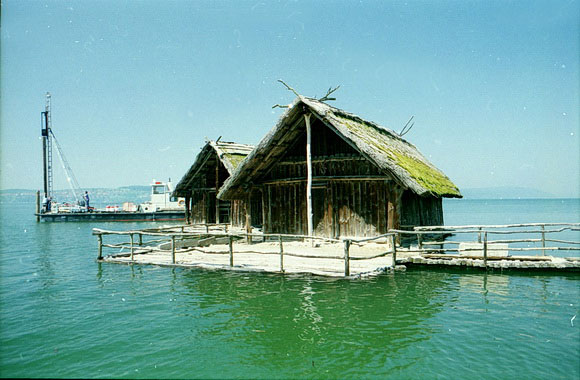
[[504, 193]]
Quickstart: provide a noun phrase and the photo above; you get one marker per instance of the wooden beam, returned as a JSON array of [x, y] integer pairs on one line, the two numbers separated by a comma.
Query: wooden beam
[[187, 209], [217, 202], [325, 179], [309, 175]]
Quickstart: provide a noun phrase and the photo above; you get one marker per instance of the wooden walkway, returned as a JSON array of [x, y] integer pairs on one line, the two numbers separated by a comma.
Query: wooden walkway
[[225, 248]]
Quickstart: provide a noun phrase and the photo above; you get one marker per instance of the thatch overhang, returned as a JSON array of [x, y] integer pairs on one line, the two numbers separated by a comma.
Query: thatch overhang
[[392, 154], [230, 154]]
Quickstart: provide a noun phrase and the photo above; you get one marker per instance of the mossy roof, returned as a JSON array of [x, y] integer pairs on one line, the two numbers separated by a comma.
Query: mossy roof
[[230, 155], [386, 149]]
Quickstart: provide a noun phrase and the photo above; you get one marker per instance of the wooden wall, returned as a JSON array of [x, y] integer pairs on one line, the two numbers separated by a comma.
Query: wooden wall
[[421, 211], [203, 206], [340, 208], [202, 209]]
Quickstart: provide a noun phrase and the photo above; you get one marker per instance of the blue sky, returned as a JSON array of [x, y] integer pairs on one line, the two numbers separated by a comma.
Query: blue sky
[[137, 86]]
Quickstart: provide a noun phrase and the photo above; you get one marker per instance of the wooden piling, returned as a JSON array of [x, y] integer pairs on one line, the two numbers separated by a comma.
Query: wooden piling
[[140, 239], [172, 249], [543, 240], [281, 254], [485, 249], [231, 247], [100, 238], [347, 257], [394, 242], [131, 236], [420, 243]]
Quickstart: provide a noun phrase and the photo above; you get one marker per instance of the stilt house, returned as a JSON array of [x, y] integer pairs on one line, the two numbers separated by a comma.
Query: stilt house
[[327, 172], [213, 165]]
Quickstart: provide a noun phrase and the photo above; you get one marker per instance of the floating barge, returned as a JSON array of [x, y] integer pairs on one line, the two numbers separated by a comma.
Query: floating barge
[[112, 216], [162, 206]]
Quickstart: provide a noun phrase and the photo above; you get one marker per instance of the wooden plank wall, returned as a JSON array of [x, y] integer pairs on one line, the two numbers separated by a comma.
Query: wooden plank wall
[[198, 206], [340, 208], [421, 211], [238, 213]]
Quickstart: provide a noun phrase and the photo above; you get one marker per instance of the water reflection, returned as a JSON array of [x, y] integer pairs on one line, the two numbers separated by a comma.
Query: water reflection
[[314, 324]]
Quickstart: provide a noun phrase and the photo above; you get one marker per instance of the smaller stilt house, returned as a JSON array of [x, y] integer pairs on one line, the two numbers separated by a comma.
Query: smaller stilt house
[[213, 165], [323, 171]]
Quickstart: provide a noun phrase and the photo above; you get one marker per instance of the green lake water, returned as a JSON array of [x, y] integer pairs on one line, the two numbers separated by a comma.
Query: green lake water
[[64, 315]]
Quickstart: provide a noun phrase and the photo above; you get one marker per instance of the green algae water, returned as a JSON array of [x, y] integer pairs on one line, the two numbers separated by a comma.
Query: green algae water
[[63, 315]]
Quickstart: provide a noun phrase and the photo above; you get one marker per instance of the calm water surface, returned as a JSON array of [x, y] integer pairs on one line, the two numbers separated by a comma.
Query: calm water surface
[[64, 315]]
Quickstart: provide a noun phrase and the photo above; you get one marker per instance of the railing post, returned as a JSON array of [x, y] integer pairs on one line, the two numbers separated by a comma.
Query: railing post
[[485, 249], [231, 246], [140, 239], [346, 257], [281, 253], [100, 237], [131, 235], [172, 249], [543, 240], [420, 243], [479, 235], [206, 228], [394, 241]]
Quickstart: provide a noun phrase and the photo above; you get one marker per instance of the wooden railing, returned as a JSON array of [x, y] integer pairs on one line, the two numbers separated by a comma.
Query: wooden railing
[[437, 244]]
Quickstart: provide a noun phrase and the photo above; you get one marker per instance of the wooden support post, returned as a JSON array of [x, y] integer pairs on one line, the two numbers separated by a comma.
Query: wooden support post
[[187, 209], [394, 242], [191, 210], [485, 249], [308, 176], [281, 254], [140, 239], [479, 235], [100, 238], [231, 246], [172, 249], [217, 202], [131, 235], [263, 214], [249, 218], [543, 240], [206, 228], [347, 257], [420, 243]]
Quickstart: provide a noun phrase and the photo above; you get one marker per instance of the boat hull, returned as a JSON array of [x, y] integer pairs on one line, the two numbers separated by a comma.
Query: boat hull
[[112, 216]]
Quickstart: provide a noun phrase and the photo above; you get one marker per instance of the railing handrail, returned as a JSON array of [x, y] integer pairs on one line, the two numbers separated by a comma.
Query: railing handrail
[[487, 245], [497, 226]]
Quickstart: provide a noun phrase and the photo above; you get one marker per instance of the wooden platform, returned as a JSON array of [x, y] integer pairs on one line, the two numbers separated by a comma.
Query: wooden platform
[[521, 263], [328, 259]]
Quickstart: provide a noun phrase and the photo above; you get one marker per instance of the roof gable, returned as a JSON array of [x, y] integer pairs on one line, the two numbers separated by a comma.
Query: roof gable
[[230, 154], [384, 148]]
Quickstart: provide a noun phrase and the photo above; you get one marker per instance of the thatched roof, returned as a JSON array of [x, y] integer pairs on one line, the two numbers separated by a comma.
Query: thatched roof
[[392, 154], [230, 155]]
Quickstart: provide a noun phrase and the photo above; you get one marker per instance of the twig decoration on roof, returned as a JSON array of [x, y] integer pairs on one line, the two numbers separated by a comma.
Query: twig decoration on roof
[[323, 99], [407, 128], [330, 91]]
